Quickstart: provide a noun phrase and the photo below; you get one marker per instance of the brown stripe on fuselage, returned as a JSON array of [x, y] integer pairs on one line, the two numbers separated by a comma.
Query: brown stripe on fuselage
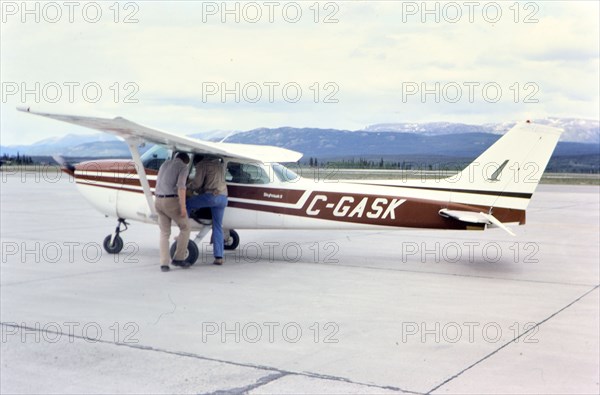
[[126, 180], [411, 213], [125, 173], [394, 211], [279, 195], [124, 166], [118, 187], [473, 191]]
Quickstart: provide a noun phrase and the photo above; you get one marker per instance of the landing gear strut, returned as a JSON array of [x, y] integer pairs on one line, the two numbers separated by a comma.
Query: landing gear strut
[[231, 238], [113, 243]]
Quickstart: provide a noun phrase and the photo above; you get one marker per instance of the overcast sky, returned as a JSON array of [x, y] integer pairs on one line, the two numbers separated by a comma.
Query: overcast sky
[[283, 65]]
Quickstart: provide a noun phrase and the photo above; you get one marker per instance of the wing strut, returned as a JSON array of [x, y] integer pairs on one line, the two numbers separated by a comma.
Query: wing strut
[[139, 167]]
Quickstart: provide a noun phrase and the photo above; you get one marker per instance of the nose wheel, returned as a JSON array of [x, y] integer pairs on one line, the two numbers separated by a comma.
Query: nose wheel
[[113, 243]]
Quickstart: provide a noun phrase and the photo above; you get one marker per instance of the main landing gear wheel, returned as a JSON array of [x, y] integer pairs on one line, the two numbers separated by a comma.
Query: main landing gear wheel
[[113, 244], [191, 254], [233, 241]]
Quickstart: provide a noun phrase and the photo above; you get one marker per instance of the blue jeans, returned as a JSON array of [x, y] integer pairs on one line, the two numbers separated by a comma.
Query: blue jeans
[[217, 204]]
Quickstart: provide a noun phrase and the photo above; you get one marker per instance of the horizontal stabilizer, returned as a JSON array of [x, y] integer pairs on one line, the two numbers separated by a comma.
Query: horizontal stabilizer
[[473, 217]]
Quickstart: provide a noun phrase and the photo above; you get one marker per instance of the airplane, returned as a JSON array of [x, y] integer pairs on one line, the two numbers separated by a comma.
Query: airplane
[[491, 192]]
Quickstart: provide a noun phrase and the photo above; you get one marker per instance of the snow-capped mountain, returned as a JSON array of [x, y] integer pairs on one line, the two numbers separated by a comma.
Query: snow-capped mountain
[[428, 128], [576, 129], [214, 135], [380, 138], [64, 144]]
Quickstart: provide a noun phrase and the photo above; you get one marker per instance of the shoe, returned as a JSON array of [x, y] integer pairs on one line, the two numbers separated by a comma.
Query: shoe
[[165, 268], [181, 264], [218, 261]]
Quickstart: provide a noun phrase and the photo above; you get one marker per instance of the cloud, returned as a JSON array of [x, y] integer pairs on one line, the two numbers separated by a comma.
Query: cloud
[[368, 56]]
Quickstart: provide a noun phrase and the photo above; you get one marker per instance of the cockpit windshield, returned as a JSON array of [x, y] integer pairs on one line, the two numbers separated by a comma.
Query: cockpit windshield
[[284, 174]]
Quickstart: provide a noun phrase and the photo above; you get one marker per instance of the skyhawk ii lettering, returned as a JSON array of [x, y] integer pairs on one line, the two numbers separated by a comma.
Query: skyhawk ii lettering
[[272, 195]]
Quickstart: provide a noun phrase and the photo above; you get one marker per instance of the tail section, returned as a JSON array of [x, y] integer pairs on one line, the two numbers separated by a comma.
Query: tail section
[[508, 172]]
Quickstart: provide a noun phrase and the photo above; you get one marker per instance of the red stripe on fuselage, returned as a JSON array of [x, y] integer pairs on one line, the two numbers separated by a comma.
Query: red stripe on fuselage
[[394, 211]]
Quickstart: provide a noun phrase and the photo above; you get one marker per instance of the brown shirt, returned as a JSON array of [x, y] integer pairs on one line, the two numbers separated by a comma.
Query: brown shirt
[[210, 177]]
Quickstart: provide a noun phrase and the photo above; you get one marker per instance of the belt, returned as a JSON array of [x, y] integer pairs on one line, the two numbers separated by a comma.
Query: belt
[[166, 196]]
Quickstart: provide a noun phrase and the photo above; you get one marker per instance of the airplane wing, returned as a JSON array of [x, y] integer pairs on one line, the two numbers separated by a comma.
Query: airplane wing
[[131, 131]]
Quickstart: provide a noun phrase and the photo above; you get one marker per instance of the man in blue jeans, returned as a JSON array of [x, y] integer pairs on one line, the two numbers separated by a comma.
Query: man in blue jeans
[[209, 182]]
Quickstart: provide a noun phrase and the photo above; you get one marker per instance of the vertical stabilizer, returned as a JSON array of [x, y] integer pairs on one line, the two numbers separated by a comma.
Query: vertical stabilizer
[[507, 173]]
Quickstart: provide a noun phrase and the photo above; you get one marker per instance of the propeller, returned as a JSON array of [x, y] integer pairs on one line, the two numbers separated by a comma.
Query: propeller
[[63, 163]]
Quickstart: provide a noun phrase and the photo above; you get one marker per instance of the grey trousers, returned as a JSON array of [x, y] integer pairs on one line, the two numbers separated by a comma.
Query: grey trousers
[[168, 210]]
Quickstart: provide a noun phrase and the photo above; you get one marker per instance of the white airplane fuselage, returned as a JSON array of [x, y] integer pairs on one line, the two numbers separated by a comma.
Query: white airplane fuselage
[[113, 187]]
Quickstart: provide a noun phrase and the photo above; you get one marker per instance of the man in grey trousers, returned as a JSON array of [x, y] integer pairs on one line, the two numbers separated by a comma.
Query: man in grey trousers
[[170, 206]]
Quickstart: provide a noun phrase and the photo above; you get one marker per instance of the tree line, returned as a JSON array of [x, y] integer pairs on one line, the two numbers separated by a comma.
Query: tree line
[[16, 159], [362, 163]]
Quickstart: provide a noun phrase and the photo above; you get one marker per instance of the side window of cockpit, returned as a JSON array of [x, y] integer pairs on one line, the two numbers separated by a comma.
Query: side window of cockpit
[[256, 173], [245, 173], [155, 156], [236, 174]]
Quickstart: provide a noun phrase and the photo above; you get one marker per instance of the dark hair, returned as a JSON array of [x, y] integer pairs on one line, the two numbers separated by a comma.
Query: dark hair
[[198, 158], [183, 156]]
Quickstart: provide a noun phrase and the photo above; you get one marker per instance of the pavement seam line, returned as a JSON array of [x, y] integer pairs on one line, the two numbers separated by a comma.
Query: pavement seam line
[[326, 264], [452, 274], [9, 284], [140, 347], [244, 390], [511, 341]]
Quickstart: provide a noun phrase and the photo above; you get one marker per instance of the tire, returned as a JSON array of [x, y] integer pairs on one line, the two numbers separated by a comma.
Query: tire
[[233, 241], [192, 253], [117, 244]]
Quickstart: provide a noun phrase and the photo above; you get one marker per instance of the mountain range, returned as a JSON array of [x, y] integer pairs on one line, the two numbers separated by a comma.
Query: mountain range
[[575, 129], [581, 137]]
